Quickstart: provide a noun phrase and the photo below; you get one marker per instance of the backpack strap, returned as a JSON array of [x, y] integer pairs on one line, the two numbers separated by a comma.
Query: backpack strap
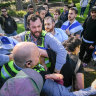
[[77, 66]]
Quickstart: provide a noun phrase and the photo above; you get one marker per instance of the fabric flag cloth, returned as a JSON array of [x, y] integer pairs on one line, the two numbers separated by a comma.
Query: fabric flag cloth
[[27, 82], [73, 28], [7, 43]]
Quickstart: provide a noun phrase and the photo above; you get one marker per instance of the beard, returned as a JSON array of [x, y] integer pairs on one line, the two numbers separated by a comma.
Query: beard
[[49, 29], [70, 19], [36, 34]]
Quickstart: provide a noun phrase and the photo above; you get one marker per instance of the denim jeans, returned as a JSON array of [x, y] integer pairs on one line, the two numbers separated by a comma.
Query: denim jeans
[[82, 10]]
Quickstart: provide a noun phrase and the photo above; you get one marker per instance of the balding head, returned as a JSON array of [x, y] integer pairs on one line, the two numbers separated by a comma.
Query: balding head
[[24, 53]]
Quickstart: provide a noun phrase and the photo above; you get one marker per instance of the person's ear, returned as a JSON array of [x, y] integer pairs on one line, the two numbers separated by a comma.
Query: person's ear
[[75, 15], [28, 65]]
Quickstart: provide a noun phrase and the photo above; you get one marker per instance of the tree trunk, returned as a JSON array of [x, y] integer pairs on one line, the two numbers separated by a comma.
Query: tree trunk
[[34, 5], [19, 5]]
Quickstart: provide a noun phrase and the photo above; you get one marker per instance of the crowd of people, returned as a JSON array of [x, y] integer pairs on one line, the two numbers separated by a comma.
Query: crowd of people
[[49, 57]]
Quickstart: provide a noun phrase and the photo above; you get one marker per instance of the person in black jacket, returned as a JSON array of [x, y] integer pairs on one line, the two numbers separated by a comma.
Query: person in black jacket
[[88, 37], [45, 5], [64, 15], [8, 24], [58, 22], [30, 11]]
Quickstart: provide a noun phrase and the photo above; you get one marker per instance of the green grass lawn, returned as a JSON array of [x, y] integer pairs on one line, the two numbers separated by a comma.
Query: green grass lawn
[[20, 28], [81, 19]]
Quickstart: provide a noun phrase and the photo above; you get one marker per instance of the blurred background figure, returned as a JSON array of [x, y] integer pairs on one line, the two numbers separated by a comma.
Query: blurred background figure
[[30, 11], [58, 22], [83, 4], [46, 6], [64, 15], [7, 23]]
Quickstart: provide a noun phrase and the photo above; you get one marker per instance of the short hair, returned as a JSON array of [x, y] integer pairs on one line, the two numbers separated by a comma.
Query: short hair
[[71, 44], [93, 9], [40, 8], [57, 11], [3, 8], [46, 4], [75, 9], [30, 6], [33, 18], [49, 17], [66, 5]]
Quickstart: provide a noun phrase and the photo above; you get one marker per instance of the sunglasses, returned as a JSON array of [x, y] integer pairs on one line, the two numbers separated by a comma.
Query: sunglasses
[[3, 11]]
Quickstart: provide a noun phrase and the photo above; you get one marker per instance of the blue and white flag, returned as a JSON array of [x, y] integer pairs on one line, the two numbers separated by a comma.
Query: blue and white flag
[[7, 43], [73, 28]]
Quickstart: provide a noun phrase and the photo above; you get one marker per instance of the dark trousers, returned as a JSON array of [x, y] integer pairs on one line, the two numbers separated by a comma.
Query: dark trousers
[[82, 10], [85, 54]]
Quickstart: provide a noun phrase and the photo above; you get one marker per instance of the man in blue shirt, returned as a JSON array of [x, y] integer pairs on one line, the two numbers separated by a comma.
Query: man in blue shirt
[[44, 40], [56, 32]]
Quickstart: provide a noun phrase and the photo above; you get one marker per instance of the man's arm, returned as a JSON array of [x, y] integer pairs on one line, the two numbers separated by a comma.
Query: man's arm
[[5, 58], [79, 84], [52, 43]]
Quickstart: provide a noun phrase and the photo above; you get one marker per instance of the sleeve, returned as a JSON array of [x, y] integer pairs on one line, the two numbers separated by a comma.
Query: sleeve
[[1, 21], [84, 27], [15, 25], [64, 35], [3, 59], [52, 43], [81, 3]]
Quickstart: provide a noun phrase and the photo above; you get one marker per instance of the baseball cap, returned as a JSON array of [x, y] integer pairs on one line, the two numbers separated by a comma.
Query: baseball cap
[[27, 82]]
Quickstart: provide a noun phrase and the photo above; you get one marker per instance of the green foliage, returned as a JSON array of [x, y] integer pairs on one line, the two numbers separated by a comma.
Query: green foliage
[[20, 13], [81, 19], [75, 1], [12, 12], [17, 13], [7, 4]]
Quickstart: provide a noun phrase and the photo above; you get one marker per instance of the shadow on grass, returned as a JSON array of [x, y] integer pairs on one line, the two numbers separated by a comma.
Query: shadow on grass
[[89, 78]]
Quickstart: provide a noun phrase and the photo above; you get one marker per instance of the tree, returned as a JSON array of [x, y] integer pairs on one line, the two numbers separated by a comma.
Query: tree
[[19, 5], [33, 3], [69, 1]]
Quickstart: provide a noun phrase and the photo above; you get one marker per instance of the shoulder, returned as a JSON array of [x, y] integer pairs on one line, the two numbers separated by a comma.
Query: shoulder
[[66, 22]]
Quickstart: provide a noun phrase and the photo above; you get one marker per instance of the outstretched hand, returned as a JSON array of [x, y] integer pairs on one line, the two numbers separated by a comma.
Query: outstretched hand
[[93, 85], [54, 76]]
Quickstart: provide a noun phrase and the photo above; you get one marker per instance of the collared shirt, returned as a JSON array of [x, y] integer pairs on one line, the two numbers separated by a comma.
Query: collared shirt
[[52, 43], [60, 35]]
